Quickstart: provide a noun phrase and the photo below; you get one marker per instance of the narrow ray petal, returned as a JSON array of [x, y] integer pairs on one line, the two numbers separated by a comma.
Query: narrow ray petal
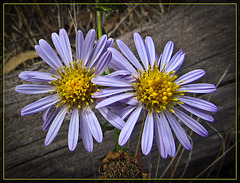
[[113, 99], [45, 113], [50, 53], [50, 118], [97, 51], [130, 101], [112, 118], [126, 111], [44, 57], [88, 45], [110, 81], [159, 60], [141, 49], [36, 76], [159, 136], [147, 136], [34, 89], [176, 60], [79, 44], [190, 76], [40, 105], [198, 112], [85, 132], [103, 63], [199, 103], [93, 125], [73, 130], [121, 62], [167, 53], [58, 45], [128, 127], [167, 136], [120, 73], [129, 54], [150, 47], [55, 126], [65, 44], [179, 131], [191, 123], [110, 91], [199, 88]]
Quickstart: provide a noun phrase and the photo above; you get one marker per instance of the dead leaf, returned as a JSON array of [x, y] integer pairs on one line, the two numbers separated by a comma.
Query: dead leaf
[[15, 61]]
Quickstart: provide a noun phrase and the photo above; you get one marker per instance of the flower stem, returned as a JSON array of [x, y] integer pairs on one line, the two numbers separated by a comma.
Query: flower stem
[[116, 135], [99, 22]]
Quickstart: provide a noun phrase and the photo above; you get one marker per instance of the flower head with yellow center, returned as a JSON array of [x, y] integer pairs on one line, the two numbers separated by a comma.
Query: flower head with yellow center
[[70, 86], [153, 85]]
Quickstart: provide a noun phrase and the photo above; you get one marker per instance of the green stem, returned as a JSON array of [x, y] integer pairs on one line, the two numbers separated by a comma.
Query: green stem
[[99, 22], [116, 135]]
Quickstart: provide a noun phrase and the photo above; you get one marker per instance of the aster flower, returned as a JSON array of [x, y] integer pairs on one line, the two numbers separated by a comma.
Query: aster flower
[[153, 85], [70, 86]]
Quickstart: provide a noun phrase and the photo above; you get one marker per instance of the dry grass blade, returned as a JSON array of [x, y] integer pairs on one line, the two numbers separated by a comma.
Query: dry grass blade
[[19, 59], [171, 163], [121, 21], [219, 158]]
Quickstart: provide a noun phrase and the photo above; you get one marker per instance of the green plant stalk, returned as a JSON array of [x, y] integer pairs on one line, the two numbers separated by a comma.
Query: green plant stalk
[[99, 22], [99, 27], [116, 135]]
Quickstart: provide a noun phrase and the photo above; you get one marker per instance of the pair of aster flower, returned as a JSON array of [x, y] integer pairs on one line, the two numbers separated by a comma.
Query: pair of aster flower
[[151, 86]]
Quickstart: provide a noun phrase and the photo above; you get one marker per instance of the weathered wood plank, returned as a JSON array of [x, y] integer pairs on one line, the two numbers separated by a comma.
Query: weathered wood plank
[[208, 37]]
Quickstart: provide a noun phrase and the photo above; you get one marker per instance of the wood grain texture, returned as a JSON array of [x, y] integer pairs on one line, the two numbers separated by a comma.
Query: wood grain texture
[[205, 32]]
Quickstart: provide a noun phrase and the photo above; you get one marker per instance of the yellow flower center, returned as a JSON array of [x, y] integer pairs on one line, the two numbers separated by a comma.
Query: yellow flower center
[[74, 86], [157, 90]]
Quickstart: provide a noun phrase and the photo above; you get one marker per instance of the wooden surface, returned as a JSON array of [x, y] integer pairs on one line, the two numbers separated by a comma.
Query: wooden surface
[[206, 33]]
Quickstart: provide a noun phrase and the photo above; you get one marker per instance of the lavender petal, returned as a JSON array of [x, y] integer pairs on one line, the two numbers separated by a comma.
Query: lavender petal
[[66, 46], [88, 45], [97, 51], [128, 127], [147, 136], [55, 126], [93, 125], [79, 44], [112, 99], [40, 105], [167, 53], [110, 81], [141, 49], [110, 91], [199, 103], [198, 112], [191, 123], [199, 88], [130, 56], [179, 131], [150, 47], [36, 76], [85, 132], [34, 89], [120, 61], [112, 118], [73, 130], [103, 63], [190, 76]]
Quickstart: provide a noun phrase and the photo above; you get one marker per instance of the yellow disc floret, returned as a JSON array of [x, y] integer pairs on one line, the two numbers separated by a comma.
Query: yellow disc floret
[[157, 90], [74, 86]]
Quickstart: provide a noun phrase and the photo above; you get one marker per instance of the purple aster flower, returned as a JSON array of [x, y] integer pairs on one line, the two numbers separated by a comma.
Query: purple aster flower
[[70, 87], [153, 85]]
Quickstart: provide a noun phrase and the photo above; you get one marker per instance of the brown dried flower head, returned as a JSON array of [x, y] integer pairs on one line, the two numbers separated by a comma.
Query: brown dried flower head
[[121, 165]]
